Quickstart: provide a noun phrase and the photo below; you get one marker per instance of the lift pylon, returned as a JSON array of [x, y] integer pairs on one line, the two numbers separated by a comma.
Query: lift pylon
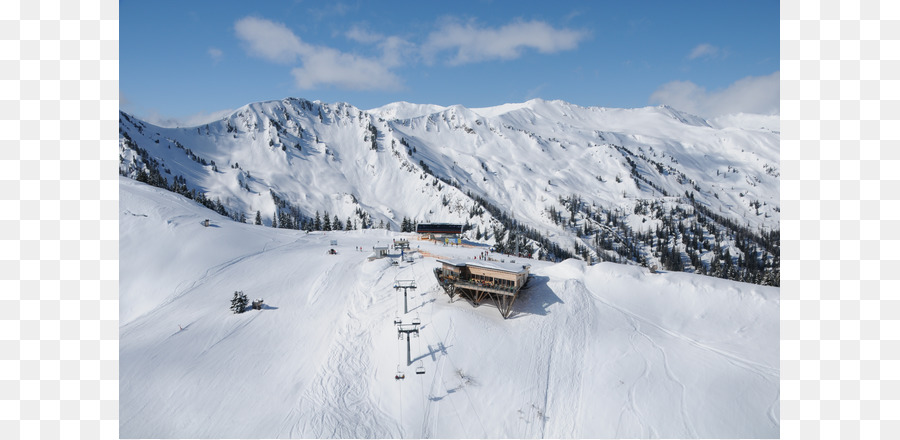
[[405, 284], [408, 330]]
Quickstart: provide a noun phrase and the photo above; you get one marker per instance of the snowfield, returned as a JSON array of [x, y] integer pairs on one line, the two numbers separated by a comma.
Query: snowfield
[[600, 351]]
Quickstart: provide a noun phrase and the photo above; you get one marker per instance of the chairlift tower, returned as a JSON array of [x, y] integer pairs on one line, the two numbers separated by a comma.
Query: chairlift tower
[[405, 284], [408, 330]]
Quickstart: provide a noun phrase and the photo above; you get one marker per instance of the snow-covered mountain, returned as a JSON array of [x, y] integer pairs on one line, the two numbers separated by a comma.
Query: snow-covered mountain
[[651, 186], [591, 351]]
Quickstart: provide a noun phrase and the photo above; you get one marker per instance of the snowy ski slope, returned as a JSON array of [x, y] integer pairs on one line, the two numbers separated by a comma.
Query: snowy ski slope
[[599, 352]]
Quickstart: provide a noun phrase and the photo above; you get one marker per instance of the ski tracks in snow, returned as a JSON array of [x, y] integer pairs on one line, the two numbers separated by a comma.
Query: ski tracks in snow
[[767, 373], [339, 404], [561, 415], [535, 409], [210, 273], [685, 417]]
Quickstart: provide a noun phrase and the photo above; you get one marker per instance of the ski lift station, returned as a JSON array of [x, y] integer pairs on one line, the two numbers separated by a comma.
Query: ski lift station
[[379, 252], [439, 231], [477, 280]]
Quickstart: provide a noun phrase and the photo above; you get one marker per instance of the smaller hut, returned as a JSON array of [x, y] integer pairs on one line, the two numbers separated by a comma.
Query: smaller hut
[[378, 252]]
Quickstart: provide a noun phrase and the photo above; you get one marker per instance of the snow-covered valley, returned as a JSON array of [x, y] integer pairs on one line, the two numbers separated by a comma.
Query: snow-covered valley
[[601, 351]]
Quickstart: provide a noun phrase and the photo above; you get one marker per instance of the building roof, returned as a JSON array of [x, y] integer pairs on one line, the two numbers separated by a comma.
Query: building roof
[[494, 265]]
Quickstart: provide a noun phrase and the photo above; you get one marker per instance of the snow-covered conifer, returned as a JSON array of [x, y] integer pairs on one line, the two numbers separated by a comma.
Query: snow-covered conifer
[[238, 302]]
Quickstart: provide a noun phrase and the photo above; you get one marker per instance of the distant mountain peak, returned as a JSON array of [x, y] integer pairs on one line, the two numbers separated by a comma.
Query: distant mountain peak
[[591, 178]]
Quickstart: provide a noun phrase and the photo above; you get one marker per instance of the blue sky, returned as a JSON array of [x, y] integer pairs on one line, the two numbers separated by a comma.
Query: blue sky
[[189, 62]]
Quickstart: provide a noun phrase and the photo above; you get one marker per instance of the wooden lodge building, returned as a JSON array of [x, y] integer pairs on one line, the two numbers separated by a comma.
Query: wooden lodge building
[[476, 280]]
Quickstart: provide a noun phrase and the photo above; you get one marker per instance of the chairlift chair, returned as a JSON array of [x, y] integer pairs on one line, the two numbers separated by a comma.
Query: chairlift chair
[[400, 374], [397, 321], [416, 321], [420, 370]]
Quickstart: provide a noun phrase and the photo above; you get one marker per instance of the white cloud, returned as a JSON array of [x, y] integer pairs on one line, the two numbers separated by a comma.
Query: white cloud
[[753, 94], [320, 65], [270, 40], [394, 50], [704, 50], [326, 66], [471, 43]]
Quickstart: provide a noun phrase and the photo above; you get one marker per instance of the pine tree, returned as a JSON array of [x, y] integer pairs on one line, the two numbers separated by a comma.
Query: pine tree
[[238, 302], [336, 223], [327, 224], [404, 225], [317, 223], [348, 226]]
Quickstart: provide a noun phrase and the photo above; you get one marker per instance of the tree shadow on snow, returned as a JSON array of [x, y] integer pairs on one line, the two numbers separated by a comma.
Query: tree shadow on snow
[[535, 299]]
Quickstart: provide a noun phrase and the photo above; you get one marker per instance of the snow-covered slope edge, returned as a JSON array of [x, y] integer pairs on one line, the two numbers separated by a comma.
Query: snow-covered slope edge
[[592, 352]]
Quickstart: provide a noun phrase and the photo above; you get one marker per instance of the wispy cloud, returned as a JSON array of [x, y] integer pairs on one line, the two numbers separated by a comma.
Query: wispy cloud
[[325, 66], [269, 40], [704, 50], [320, 65], [362, 35], [470, 43], [338, 9], [215, 54], [753, 94], [466, 43], [394, 48]]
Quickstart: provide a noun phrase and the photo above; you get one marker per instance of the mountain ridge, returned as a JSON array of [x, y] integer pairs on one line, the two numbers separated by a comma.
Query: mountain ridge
[[512, 167]]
